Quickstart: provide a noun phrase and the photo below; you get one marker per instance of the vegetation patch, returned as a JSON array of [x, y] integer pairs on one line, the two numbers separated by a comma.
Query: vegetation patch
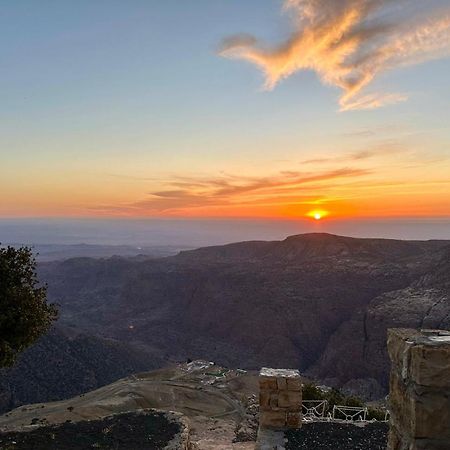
[[334, 397], [218, 374]]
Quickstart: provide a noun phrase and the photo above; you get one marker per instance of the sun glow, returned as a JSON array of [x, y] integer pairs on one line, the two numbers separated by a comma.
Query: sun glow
[[317, 214]]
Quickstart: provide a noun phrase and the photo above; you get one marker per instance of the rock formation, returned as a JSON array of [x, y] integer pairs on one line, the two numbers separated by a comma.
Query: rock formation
[[321, 296], [419, 390]]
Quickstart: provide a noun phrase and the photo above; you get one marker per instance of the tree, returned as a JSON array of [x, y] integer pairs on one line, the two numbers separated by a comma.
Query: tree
[[25, 314]]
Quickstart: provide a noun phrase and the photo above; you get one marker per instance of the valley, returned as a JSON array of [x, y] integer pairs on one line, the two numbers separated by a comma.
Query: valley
[[303, 302]]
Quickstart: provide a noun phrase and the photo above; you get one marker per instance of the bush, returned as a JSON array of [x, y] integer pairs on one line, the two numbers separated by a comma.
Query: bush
[[311, 392], [334, 397], [377, 414], [24, 312]]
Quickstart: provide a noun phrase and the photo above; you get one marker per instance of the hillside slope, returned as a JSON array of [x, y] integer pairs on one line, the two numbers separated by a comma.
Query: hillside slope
[[423, 304], [59, 366], [221, 405], [309, 302]]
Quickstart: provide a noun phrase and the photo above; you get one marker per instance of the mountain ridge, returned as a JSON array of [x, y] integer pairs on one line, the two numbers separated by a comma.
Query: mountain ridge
[[322, 244], [317, 302]]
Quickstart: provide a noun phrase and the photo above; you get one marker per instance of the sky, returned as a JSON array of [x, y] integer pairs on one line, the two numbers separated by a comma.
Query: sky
[[224, 108]]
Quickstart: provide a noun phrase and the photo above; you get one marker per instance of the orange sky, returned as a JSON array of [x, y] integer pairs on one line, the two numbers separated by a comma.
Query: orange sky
[[142, 110], [342, 192]]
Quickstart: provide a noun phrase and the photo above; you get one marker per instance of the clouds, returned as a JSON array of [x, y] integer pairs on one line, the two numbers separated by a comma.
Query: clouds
[[229, 190], [382, 149], [190, 194], [382, 177], [347, 43]]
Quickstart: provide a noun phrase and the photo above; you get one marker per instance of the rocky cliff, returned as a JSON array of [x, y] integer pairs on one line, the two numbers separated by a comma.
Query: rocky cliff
[[317, 302]]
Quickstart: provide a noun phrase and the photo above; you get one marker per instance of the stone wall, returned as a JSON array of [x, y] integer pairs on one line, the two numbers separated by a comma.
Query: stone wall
[[280, 399], [419, 389]]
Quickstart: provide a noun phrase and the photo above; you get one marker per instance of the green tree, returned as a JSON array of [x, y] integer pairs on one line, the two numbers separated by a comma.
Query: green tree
[[25, 314]]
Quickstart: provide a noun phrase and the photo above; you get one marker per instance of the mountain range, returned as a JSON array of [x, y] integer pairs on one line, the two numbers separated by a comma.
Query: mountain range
[[317, 302]]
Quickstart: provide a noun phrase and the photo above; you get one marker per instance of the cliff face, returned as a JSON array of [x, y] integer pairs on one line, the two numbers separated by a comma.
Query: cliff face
[[423, 304], [317, 302]]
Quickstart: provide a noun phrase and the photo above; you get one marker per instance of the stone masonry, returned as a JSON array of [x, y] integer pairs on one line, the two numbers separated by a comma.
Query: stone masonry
[[280, 399], [419, 389]]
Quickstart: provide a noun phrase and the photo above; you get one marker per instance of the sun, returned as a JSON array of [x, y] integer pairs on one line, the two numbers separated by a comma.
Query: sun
[[317, 214]]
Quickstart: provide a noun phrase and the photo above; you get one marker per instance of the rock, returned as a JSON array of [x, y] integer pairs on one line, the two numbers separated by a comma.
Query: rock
[[419, 389], [279, 407], [430, 364], [253, 304], [294, 420], [272, 419], [294, 384], [366, 388], [291, 400]]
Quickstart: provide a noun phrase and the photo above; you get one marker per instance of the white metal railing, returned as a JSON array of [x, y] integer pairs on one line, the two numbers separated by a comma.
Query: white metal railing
[[350, 413], [319, 411], [314, 409]]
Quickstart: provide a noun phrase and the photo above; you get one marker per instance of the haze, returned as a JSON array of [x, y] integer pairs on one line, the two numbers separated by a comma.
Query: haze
[[191, 233]]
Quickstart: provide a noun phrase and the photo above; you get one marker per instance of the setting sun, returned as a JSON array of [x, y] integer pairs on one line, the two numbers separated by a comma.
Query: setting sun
[[317, 214]]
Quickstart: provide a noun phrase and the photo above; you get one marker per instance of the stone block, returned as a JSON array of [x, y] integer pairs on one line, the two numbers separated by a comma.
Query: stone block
[[283, 373], [268, 383], [294, 384], [264, 400], [273, 401], [400, 405], [419, 390], [291, 400], [430, 365], [283, 399], [294, 420], [277, 402], [281, 384], [272, 419], [419, 413], [399, 344], [431, 416]]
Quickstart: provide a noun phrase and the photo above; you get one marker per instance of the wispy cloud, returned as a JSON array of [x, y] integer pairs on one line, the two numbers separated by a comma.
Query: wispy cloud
[[389, 147], [349, 42], [381, 130], [185, 193]]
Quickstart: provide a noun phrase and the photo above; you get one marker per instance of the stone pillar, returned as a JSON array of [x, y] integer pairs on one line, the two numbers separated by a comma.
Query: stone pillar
[[419, 389], [280, 399]]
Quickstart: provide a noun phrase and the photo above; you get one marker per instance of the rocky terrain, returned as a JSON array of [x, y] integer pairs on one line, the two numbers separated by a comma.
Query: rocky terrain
[[317, 302], [425, 303], [150, 430], [332, 436], [220, 406]]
